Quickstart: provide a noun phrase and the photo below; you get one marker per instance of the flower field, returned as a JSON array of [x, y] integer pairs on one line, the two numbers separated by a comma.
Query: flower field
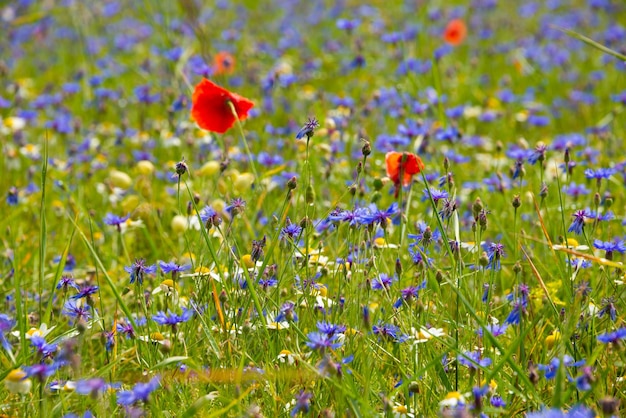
[[321, 208]]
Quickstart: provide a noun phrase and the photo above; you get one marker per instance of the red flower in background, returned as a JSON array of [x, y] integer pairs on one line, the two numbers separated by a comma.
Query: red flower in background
[[210, 108], [455, 32], [403, 164], [223, 63]]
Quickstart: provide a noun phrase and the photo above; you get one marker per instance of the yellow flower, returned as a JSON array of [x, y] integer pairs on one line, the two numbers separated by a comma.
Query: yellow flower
[[552, 339], [16, 382]]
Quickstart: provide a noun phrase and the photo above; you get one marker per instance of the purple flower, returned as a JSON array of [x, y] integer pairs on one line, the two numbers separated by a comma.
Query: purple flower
[[138, 270], [320, 341], [303, 403], [613, 337], [115, 220], [495, 329], [91, 386], [610, 247], [330, 329], [173, 267], [308, 129], [576, 412], [383, 281], [578, 222], [67, 281], [495, 251], [41, 371], [6, 324], [472, 360], [85, 292], [171, 318], [44, 349], [389, 332], [209, 216], [78, 312], [290, 231], [237, 206], [140, 392], [552, 368]]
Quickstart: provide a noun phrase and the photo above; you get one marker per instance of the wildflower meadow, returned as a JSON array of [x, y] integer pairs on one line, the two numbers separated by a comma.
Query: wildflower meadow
[[313, 208]]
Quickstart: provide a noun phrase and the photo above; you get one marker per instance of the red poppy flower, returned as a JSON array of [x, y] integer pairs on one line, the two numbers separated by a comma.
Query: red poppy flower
[[223, 63], [455, 32], [403, 164], [210, 108]]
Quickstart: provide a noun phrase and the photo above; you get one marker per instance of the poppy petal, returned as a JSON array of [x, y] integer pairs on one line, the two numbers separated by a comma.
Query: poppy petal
[[210, 108]]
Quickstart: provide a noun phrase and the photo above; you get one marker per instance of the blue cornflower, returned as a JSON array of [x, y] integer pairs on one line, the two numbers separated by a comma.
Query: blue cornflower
[[171, 318], [579, 221], [320, 341], [126, 329], [85, 292], [78, 312], [290, 231], [138, 270], [303, 403], [538, 154], [448, 207], [381, 217], [436, 194], [417, 255], [114, 220], [599, 174], [552, 368], [425, 235], [576, 190], [347, 24], [497, 402], [608, 307], [41, 371], [287, 312], [109, 339], [495, 329], [613, 337], [308, 129], [44, 349], [389, 332], [383, 281], [6, 324], [269, 282], [584, 381], [67, 281], [409, 293], [330, 329], [495, 251], [140, 392], [209, 216], [610, 247], [237, 206], [576, 412], [173, 267], [515, 315], [91, 387], [472, 360]]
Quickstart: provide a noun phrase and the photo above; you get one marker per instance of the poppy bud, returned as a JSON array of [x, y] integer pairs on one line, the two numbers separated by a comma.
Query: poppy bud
[[477, 207], [292, 183], [310, 195], [366, 149], [378, 184]]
